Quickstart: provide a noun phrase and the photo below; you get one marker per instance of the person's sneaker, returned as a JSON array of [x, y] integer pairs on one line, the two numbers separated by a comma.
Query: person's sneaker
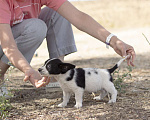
[[53, 85], [4, 92]]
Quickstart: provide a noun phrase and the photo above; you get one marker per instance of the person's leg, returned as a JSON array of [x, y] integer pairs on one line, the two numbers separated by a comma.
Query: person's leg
[[3, 69], [60, 39], [28, 36]]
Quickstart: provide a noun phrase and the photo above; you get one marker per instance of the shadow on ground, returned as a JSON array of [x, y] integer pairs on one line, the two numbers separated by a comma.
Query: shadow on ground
[[31, 103]]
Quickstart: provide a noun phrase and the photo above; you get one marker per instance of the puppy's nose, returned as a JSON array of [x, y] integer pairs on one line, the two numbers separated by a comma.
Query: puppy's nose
[[40, 69]]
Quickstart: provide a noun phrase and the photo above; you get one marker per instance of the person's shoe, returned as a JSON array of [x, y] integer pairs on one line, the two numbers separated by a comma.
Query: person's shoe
[[4, 92], [53, 85]]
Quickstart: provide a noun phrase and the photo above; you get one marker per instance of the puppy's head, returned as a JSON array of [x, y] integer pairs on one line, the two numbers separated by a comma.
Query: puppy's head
[[55, 67]]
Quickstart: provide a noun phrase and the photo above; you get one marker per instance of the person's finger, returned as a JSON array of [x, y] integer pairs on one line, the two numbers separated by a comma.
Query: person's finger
[[133, 55], [128, 62], [47, 81], [41, 83], [131, 63], [128, 59], [38, 85], [44, 79], [26, 78]]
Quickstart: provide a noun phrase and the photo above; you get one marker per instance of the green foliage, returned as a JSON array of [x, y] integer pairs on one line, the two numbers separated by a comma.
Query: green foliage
[[4, 107], [118, 79], [4, 102]]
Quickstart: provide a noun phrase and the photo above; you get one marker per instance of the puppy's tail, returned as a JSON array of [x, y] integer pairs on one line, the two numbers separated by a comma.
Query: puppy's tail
[[111, 70]]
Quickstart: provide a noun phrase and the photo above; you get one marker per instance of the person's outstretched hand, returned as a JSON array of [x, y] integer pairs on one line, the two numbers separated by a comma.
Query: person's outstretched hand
[[123, 50], [36, 79]]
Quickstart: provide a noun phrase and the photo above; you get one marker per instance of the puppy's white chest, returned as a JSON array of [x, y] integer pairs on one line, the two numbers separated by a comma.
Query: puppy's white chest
[[66, 85]]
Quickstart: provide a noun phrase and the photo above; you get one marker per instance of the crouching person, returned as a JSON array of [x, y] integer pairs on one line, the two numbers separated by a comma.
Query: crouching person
[[24, 25]]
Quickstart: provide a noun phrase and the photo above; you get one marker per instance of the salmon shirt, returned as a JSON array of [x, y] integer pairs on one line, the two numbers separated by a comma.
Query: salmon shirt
[[13, 12]]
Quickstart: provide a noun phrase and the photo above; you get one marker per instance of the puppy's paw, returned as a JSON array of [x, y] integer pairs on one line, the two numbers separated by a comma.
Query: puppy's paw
[[97, 98], [78, 105], [62, 105], [112, 101]]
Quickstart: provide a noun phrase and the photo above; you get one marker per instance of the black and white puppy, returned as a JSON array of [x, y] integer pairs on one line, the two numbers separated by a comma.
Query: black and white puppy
[[78, 80]]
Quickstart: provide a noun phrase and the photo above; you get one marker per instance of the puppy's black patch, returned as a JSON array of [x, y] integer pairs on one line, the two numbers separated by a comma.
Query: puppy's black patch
[[66, 67], [95, 72], [71, 75], [89, 73], [111, 70], [47, 61], [111, 78], [80, 78], [56, 66], [52, 66]]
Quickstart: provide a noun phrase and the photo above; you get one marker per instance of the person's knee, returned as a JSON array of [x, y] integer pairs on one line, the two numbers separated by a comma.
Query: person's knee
[[37, 28]]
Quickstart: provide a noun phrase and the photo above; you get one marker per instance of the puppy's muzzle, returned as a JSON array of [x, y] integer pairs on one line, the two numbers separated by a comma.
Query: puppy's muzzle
[[43, 72], [40, 70]]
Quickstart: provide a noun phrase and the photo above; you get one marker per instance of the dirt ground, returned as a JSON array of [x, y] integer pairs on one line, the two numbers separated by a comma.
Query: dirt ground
[[30, 103], [41, 104]]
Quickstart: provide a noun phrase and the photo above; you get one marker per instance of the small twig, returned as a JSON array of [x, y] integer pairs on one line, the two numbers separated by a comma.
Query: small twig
[[93, 94], [108, 95], [146, 38]]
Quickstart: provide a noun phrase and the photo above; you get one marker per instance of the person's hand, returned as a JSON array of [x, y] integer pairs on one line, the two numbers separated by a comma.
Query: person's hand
[[123, 50], [36, 79]]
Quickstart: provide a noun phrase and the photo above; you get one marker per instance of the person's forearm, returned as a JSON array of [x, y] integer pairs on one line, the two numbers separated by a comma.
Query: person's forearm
[[10, 49], [93, 28], [17, 59], [85, 23]]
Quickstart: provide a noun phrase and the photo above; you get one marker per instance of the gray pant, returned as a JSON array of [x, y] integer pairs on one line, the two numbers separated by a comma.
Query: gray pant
[[31, 32]]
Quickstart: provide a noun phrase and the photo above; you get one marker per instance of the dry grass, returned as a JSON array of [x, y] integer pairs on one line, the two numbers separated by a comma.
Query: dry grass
[[37, 104], [118, 13]]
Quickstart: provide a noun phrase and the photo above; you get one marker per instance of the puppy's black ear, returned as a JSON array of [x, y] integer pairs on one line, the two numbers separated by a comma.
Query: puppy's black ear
[[65, 67]]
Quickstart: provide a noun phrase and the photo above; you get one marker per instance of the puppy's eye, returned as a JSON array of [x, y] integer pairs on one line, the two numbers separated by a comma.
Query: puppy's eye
[[48, 66]]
